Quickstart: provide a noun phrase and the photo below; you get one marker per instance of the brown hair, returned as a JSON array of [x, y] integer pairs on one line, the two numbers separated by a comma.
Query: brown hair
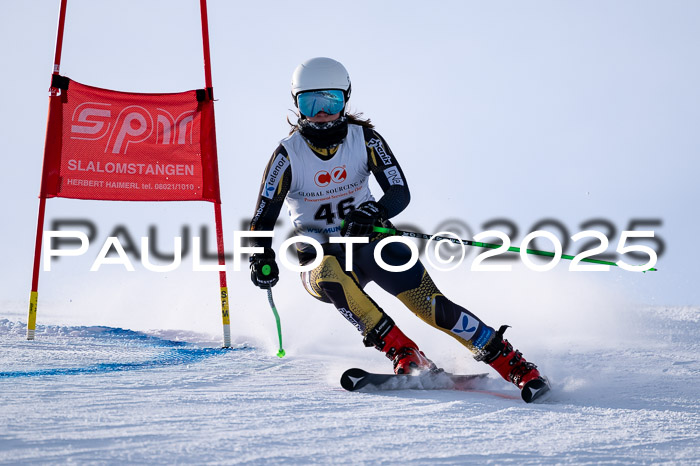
[[353, 118]]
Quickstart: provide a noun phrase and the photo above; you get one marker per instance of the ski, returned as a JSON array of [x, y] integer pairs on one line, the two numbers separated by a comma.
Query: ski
[[358, 379], [535, 389]]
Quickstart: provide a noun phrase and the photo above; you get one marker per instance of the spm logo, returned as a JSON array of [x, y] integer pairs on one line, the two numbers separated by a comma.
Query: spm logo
[[133, 124], [324, 178]]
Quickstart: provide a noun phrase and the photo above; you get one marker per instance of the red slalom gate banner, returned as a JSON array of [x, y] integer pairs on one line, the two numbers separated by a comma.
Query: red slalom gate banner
[[120, 146], [109, 145]]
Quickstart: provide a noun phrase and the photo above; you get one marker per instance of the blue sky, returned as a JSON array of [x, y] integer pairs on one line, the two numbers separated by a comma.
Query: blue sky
[[524, 111]]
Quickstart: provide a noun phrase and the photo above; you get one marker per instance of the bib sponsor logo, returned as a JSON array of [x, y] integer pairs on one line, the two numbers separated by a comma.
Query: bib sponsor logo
[[260, 210], [394, 176], [351, 318], [466, 326], [337, 175], [273, 178], [376, 144], [322, 178]]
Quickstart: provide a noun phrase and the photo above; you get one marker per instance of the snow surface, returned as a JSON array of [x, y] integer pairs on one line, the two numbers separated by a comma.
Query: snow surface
[[109, 395]]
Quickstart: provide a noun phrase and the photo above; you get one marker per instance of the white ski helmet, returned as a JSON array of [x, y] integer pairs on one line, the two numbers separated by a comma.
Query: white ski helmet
[[320, 73]]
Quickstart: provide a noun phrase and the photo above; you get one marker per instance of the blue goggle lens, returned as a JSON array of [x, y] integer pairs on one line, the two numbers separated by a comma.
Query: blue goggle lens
[[330, 101]]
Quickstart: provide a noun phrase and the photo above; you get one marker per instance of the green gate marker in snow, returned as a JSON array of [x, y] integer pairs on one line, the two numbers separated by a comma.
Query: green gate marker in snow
[[266, 269]]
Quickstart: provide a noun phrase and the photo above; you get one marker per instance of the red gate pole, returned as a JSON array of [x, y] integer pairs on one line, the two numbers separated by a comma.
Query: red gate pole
[[53, 92], [217, 205]]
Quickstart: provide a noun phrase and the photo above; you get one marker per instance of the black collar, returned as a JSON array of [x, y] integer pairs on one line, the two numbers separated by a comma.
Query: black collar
[[324, 135]]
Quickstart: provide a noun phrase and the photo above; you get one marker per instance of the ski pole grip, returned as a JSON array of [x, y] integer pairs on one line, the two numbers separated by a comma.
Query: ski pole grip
[[389, 231]]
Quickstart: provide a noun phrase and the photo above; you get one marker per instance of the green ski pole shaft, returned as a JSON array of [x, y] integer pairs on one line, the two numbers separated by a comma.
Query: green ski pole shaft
[[411, 234], [266, 271]]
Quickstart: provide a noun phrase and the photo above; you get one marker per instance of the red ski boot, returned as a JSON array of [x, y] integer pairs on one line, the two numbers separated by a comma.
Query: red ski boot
[[511, 365], [402, 351]]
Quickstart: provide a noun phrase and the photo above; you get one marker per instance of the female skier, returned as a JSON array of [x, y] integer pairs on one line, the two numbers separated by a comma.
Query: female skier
[[322, 170]]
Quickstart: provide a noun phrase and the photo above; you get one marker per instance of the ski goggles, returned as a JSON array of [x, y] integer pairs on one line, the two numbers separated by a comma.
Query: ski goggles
[[330, 101]]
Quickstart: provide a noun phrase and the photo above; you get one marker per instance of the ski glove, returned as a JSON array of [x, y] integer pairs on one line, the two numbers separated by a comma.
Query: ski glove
[[264, 272], [361, 221]]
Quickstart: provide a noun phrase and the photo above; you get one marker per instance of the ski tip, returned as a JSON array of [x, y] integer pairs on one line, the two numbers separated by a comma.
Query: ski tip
[[535, 389], [352, 379]]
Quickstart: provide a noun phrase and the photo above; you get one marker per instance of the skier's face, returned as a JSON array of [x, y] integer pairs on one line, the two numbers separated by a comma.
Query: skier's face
[[323, 117]]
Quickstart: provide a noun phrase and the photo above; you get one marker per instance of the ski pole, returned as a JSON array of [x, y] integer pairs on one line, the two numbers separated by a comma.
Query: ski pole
[[411, 234], [266, 269]]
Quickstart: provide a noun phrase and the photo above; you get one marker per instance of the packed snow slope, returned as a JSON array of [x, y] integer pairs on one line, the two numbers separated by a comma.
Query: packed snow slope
[[109, 395]]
